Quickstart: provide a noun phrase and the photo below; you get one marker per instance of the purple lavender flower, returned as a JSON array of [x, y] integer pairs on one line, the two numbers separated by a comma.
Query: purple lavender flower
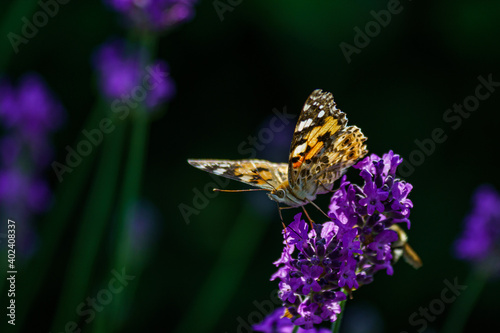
[[277, 323], [17, 190], [374, 197], [29, 108], [308, 317], [480, 240], [318, 267], [347, 274], [29, 114], [123, 78], [154, 14]]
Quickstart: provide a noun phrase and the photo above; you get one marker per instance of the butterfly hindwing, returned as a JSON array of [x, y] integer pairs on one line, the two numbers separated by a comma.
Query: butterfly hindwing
[[347, 148], [258, 173]]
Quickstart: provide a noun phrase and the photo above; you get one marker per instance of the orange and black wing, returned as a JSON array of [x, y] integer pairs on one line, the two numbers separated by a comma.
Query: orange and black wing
[[323, 146]]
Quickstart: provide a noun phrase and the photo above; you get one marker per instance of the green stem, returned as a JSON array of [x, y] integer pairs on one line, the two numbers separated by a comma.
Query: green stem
[[91, 231], [461, 309], [139, 122], [10, 29], [336, 324], [295, 329], [129, 196]]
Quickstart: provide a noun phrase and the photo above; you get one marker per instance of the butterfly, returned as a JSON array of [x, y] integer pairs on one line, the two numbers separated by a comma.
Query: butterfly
[[322, 148]]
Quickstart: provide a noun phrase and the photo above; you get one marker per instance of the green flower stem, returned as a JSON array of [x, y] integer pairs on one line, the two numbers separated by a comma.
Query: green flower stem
[[139, 122], [11, 24], [461, 309], [91, 230], [336, 324], [54, 225], [128, 197], [295, 329], [225, 277]]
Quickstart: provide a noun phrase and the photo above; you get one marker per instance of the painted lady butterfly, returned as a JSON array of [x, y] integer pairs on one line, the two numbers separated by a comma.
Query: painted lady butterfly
[[323, 147]]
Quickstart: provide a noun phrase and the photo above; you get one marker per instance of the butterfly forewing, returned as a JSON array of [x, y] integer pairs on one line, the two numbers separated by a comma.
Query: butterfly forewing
[[322, 146], [259, 173]]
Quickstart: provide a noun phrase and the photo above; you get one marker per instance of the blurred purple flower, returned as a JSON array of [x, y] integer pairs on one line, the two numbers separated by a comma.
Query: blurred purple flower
[[142, 227], [10, 150], [121, 76], [480, 240], [18, 191], [317, 266], [29, 113], [154, 14], [30, 108]]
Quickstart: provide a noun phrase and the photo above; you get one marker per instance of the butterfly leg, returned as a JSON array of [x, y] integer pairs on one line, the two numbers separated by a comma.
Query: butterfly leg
[[312, 203], [290, 228], [281, 216], [308, 217], [282, 222]]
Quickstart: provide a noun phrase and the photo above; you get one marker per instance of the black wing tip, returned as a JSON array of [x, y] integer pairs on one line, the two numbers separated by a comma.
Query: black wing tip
[[318, 92], [324, 97]]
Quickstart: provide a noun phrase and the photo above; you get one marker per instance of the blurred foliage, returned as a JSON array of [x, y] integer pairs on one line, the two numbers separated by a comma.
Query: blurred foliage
[[230, 74]]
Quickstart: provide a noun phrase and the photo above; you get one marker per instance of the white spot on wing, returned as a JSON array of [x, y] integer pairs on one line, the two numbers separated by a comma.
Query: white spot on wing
[[246, 178], [219, 171], [308, 123], [300, 149], [321, 114], [301, 125]]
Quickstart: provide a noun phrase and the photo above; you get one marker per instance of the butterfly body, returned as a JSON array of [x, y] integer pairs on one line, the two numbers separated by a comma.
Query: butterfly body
[[322, 148]]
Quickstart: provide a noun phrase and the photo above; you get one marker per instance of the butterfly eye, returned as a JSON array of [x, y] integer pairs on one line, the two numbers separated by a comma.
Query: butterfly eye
[[280, 194]]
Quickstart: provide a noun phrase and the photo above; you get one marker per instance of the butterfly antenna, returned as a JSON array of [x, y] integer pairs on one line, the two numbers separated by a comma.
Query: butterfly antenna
[[244, 190]]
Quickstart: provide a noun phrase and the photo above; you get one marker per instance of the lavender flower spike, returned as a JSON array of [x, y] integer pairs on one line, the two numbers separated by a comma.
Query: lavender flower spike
[[480, 240], [318, 267], [123, 79], [155, 14]]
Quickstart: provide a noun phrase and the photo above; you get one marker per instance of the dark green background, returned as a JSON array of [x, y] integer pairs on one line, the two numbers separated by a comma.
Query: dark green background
[[230, 74]]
